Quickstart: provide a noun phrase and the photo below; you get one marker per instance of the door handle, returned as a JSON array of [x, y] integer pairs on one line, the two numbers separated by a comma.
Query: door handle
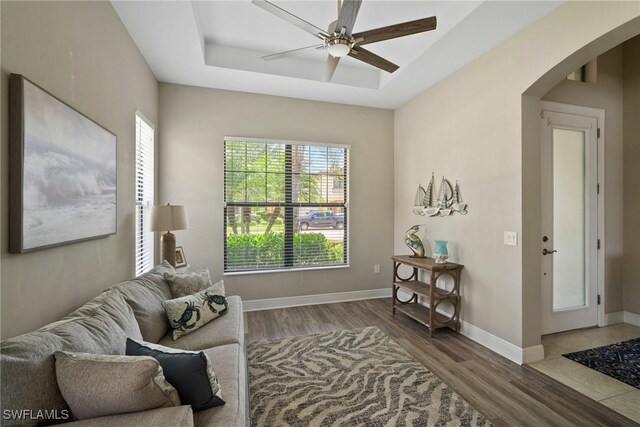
[[548, 252]]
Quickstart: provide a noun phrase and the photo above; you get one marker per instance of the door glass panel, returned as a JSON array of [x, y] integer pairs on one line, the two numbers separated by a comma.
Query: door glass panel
[[569, 284]]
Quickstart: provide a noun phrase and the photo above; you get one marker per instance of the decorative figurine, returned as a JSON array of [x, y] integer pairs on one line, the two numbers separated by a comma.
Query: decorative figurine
[[414, 242]]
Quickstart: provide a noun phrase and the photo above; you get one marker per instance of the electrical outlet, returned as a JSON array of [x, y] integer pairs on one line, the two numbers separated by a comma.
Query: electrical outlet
[[511, 238], [376, 268]]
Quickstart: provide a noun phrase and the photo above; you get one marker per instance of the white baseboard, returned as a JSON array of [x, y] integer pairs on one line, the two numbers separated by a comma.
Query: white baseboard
[[272, 303], [613, 318], [494, 343], [502, 347], [532, 354], [621, 316], [632, 318]]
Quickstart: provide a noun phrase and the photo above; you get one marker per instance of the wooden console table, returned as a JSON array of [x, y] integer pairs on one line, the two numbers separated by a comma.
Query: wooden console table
[[427, 315]]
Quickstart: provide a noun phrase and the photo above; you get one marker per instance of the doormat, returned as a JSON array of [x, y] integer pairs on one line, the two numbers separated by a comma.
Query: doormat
[[620, 361]]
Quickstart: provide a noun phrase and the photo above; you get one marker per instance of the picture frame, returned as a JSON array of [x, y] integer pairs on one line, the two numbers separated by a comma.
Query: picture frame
[[62, 174], [181, 260]]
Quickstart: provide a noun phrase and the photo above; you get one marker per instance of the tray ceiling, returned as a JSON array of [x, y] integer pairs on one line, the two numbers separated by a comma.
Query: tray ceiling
[[218, 44]]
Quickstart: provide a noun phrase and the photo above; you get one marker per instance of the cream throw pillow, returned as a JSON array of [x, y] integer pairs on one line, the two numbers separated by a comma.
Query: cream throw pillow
[[189, 283], [95, 385]]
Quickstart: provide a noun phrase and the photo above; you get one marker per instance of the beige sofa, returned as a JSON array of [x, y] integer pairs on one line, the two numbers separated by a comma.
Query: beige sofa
[[101, 326]]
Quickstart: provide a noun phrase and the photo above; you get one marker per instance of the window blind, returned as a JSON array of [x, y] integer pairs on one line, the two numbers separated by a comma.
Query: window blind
[[144, 195], [286, 205]]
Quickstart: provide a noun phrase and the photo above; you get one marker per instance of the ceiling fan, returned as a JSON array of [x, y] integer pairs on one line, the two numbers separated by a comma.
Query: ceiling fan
[[339, 39]]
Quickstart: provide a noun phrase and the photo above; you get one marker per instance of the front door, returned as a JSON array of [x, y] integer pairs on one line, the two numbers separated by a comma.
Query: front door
[[569, 238]]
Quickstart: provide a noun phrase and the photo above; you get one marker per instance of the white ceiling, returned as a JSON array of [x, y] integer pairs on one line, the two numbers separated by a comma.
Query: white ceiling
[[218, 44]]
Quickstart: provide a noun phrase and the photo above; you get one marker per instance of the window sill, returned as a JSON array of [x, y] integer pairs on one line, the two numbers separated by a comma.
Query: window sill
[[284, 270]]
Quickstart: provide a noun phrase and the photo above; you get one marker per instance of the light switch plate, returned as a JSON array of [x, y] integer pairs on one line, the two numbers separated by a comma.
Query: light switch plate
[[376, 268], [511, 238]]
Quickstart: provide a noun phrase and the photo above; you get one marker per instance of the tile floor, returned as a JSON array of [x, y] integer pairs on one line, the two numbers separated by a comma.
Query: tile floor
[[610, 392]]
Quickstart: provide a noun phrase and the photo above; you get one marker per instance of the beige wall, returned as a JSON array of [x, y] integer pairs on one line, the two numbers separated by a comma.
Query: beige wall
[[631, 258], [194, 122], [469, 127], [81, 53], [605, 94]]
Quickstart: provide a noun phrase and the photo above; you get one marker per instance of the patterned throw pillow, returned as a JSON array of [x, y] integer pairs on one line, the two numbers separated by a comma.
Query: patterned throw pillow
[[187, 314], [190, 372], [189, 283]]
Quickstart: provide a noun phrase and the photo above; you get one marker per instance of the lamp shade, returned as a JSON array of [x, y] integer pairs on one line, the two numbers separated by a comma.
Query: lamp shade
[[169, 217]]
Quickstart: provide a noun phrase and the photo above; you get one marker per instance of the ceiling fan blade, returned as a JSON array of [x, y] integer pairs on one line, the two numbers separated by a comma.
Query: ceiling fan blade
[[395, 31], [290, 53], [348, 15], [330, 68], [371, 58], [291, 18]]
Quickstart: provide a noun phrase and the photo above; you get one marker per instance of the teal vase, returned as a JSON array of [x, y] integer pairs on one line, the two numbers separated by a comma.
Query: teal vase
[[440, 253]]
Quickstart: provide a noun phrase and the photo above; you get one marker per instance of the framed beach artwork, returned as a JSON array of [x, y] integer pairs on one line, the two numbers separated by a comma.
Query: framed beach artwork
[[62, 172]]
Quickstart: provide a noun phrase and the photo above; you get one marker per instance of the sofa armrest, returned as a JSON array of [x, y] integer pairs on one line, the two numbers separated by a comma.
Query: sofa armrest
[[179, 416]]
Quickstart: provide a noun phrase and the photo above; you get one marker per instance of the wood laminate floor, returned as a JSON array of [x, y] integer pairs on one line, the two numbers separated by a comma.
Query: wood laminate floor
[[506, 393]]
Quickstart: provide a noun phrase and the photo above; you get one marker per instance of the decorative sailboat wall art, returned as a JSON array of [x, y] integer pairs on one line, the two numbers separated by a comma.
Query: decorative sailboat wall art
[[447, 201]]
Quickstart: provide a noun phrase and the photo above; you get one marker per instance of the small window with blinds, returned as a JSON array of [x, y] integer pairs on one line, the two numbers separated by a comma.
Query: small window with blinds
[[286, 205], [144, 194]]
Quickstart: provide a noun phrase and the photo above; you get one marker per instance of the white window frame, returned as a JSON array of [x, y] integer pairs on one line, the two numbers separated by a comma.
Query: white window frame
[[144, 194]]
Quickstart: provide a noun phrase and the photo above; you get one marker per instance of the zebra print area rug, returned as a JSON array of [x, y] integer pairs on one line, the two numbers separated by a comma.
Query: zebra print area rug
[[348, 378]]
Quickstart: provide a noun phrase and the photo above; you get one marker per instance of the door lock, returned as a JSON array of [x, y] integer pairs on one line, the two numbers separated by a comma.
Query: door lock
[[545, 239], [548, 252]]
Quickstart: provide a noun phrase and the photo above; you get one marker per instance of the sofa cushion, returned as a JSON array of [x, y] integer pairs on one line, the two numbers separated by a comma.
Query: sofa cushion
[[156, 276], [97, 385], [190, 372], [230, 365], [183, 284], [27, 364], [176, 416], [110, 303], [228, 329], [145, 294], [190, 313]]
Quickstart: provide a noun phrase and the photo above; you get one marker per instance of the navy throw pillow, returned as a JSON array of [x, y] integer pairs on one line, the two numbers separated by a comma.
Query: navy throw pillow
[[190, 372]]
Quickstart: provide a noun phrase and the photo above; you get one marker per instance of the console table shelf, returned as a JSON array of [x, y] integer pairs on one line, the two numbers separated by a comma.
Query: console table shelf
[[430, 292]]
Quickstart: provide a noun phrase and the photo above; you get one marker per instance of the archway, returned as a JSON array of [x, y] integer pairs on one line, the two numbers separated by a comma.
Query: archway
[[531, 171]]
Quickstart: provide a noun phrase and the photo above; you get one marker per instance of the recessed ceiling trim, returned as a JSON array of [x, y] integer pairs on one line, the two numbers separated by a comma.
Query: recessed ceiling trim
[[218, 45], [299, 68]]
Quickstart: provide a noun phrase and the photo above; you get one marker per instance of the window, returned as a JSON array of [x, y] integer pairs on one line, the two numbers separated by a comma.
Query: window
[[282, 207], [144, 193]]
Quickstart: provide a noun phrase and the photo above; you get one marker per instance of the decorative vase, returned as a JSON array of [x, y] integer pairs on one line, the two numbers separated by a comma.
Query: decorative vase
[[440, 253]]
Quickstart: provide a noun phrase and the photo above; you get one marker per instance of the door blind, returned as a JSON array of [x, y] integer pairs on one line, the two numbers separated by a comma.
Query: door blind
[[144, 195], [286, 205]]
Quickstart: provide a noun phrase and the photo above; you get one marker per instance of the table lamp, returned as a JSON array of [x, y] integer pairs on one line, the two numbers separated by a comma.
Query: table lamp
[[166, 218]]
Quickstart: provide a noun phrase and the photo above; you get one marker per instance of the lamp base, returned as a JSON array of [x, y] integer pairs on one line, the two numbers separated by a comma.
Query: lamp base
[[168, 248]]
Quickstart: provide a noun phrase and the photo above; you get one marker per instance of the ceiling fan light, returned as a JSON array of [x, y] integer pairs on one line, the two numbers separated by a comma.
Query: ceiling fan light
[[338, 50]]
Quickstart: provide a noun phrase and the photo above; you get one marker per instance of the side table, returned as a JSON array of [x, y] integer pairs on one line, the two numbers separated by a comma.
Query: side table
[[434, 295]]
